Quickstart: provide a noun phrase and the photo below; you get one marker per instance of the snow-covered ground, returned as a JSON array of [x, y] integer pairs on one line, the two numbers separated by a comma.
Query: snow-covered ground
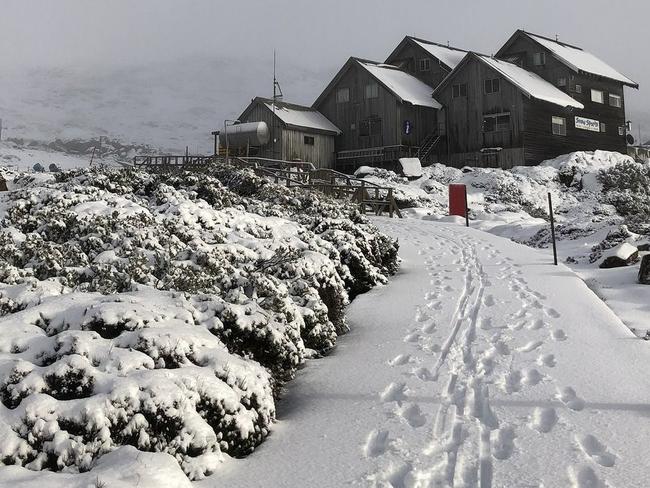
[[480, 365], [513, 204]]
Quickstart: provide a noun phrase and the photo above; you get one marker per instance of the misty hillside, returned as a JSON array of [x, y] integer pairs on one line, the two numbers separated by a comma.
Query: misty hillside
[[167, 105]]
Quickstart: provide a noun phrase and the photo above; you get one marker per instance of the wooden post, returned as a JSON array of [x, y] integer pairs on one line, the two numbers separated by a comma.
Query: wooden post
[[550, 212]]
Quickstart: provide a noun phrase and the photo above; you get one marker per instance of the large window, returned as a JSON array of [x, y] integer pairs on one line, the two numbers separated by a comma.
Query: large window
[[578, 88], [615, 100], [496, 122], [372, 91], [492, 86], [561, 81], [539, 59], [308, 140], [342, 95], [370, 127], [425, 64], [459, 90], [559, 126], [597, 96], [603, 127]]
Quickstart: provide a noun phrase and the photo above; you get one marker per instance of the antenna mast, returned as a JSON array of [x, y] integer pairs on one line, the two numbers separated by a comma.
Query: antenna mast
[[277, 95]]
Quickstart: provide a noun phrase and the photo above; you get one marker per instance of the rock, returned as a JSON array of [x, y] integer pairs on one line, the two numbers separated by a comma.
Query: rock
[[621, 255], [411, 167], [645, 247], [644, 270]]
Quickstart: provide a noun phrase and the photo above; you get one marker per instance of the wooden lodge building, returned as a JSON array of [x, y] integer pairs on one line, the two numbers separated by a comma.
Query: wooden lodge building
[[297, 133], [536, 99]]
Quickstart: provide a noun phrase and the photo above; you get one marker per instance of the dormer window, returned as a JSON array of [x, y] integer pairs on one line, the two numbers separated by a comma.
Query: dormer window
[[425, 64], [539, 59]]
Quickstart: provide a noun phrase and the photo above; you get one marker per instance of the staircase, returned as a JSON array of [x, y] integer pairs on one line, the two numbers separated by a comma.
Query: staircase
[[428, 145]]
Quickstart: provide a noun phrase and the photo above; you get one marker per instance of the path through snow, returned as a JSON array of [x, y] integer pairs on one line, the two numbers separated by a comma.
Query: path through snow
[[479, 365]]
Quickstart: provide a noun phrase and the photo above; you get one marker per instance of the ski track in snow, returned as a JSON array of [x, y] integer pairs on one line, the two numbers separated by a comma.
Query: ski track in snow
[[462, 362]]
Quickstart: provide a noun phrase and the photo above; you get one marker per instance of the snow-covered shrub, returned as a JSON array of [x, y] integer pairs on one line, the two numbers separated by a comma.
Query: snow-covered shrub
[[165, 311], [626, 186]]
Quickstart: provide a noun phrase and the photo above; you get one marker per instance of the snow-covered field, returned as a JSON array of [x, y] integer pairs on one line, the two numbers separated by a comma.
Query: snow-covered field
[[593, 215]]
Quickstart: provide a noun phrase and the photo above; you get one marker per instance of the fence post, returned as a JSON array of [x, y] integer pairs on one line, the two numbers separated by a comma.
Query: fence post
[[550, 212], [466, 209]]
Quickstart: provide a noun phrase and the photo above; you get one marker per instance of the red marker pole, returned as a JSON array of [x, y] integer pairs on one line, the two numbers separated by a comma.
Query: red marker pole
[[458, 202]]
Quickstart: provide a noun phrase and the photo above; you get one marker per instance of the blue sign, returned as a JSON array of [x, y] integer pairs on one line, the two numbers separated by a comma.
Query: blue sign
[[408, 128]]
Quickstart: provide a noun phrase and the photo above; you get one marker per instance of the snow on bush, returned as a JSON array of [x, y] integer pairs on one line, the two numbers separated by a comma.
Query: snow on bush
[[164, 312]]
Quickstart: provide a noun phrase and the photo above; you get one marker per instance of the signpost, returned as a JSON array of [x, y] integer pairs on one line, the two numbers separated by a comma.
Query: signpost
[[458, 202], [550, 212]]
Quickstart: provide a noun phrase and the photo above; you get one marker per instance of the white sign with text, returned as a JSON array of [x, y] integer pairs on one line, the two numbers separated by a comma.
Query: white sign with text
[[587, 124]]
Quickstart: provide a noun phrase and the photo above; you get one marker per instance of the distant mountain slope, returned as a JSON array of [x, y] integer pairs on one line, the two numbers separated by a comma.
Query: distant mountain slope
[[166, 105]]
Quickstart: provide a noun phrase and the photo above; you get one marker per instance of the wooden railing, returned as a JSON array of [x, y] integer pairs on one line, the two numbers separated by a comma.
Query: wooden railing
[[369, 196]]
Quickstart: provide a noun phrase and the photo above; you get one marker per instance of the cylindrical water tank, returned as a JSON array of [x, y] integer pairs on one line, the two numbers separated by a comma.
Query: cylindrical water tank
[[249, 133]]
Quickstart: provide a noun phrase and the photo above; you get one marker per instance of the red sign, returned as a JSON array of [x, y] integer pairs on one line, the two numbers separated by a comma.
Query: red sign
[[458, 200]]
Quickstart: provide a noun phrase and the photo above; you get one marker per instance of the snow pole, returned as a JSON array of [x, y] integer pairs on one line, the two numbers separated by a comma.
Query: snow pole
[[550, 212], [466, 209]]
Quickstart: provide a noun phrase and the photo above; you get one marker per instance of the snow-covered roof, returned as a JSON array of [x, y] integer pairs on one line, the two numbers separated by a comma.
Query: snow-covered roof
[[530, 83], [448, 55], [581, 60], [403, 85], [299, 116]]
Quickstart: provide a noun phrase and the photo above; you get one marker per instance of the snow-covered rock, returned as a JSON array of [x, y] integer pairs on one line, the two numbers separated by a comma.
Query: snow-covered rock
[[644, 270], [411, 167], [622, 255]]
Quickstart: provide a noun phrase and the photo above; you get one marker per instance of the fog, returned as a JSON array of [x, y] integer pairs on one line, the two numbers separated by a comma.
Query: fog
[[316, 35]]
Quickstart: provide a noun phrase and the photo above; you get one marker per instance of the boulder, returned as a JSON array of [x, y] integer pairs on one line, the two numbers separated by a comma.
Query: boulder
[[411, 167], [644, 270], [622, 255]]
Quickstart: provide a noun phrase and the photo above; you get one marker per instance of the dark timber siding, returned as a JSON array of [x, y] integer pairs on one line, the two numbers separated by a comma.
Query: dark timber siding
[[392, 112], [465, 118], [408, 58], [289, 143], [539, 141]]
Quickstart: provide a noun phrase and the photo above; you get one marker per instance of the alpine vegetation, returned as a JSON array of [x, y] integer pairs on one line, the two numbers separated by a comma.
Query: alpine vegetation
[[165, 312]]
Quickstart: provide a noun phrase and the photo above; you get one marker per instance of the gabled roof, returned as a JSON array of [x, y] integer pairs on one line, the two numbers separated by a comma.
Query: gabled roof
[[405, 87], [295, 116], [448, 55], [529, 83], [574, 57]]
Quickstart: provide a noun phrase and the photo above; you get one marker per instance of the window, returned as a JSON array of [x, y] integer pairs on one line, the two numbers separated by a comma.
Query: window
[[603, 127], [492, 86], [539, 59], [496, 122], [621, 130], [459, 90], [614, 100], [561, 81], [597, 96], [370, 127], [308, 140], [342, 95], [578, 88], [559, 126], [372, 91], [425, 64]]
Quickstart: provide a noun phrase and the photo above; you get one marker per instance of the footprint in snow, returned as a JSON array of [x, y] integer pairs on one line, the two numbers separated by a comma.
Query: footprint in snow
[[570, 399], [546, 360], [489, 301], [400, 360], [486, 323], [429, 328], [544, 419], [424, 374], [412, 337], [551, 312], [559, 335], [537, 324], [596, 451], [413, 415], [421, 315], [503, 442], [583, 476], [376, 444], [531, 346], [437, 305], [395, 392]]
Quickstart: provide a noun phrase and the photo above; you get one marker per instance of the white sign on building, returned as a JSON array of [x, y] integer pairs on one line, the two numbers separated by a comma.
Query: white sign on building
[[587, 124]]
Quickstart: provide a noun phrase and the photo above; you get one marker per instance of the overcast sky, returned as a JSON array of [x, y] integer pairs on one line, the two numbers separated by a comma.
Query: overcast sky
[[315, 34]]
